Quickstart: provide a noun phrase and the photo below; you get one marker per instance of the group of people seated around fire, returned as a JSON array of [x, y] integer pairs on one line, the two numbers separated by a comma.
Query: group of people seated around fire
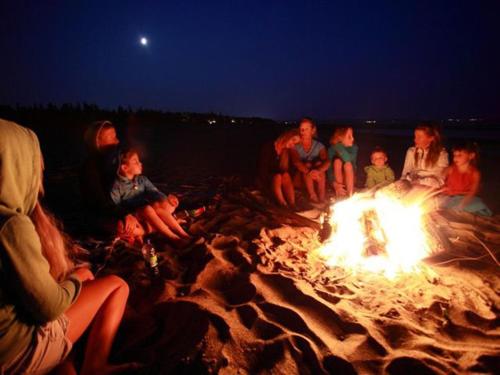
[[297, 160], [46, 304]]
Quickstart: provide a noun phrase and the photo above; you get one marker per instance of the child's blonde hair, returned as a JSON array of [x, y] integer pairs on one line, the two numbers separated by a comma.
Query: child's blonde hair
[[126, 154], [283, 139], [339, 134]]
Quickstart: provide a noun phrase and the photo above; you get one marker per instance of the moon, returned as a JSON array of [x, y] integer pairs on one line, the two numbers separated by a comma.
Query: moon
[[144, 41]]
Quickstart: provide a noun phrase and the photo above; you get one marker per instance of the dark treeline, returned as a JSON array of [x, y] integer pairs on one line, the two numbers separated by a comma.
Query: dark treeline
[[82, 114]]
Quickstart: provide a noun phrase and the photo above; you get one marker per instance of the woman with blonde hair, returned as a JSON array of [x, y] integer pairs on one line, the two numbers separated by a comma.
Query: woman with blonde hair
[[311, 160], [45, 306], [274, 168], [426, 162]]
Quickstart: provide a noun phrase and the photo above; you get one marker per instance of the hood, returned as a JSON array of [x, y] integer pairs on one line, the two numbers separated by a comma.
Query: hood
[[20, 169], [91, 135]]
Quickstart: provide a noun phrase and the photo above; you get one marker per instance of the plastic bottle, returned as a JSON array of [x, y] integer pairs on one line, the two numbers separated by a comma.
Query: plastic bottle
[[149, 255]]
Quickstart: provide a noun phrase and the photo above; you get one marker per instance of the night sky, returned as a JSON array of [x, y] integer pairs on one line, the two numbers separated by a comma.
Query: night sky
[[277, 59]]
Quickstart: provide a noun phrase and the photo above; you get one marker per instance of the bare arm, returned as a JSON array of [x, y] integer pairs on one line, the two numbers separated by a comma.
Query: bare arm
[[409, 164], [476, 178], [29, 272], [325, 161]]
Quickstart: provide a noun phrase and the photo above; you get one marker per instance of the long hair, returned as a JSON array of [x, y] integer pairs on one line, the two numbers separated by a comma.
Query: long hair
[[283, 139], [54, 243], [435, 147], [339, 134]]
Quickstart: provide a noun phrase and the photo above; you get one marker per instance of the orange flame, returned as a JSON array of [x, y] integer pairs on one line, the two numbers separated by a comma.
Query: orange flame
[[380, 233]]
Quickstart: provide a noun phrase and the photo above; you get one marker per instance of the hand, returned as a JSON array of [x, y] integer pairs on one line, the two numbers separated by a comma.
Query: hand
[[131, 223], [172, 199], [314, 174], [83, 274]]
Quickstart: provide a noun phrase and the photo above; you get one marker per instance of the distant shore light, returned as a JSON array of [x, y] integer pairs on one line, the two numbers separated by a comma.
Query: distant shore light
[[144, 41]]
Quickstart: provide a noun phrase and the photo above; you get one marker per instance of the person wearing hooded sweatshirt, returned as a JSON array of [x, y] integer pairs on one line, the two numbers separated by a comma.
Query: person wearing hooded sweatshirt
[[96, 178], [43, 311]]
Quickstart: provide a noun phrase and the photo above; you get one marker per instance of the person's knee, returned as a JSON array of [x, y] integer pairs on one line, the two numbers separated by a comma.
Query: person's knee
[[286, 178], [348, 167], [117, 283], [277, 178], [337, 165], [165, 205]]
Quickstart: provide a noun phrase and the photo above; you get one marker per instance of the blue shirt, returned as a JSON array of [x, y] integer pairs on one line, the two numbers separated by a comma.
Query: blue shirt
[[313, 153], [135, 193]]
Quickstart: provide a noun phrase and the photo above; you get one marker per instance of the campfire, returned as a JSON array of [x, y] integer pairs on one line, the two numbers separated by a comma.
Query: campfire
[[383, 232]]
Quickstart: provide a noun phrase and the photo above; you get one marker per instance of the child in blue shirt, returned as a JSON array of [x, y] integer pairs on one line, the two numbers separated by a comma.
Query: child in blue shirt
[[342, 154], [136, 193]]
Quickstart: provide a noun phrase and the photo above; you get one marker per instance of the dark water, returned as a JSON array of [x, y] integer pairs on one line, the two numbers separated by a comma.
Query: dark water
[[190, 154]]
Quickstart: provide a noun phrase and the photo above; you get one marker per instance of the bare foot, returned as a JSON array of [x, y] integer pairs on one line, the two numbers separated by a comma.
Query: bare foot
[[314, 199]]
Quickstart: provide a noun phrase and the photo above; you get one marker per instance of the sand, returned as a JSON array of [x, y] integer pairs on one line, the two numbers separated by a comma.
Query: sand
[[253, 298]]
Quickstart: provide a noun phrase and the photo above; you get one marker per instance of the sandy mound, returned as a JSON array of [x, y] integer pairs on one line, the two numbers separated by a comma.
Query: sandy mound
[[252, 299]]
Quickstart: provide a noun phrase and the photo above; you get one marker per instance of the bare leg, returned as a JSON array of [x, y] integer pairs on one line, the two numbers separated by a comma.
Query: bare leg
[[321, 181], [151, 216], [277, 192], [349, 178], [339, 178], [164, 210], [297, 181], [310, 187], [102, 303], [287, 184]]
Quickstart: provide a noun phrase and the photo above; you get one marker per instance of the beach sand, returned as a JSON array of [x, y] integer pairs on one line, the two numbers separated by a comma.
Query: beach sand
[[253, 299]]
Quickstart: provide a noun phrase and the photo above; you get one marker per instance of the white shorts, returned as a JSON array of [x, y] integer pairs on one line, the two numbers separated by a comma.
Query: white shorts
[[49, 348]]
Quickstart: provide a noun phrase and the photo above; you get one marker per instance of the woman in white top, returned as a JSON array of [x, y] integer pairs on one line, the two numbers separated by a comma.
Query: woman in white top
[[425, 163]]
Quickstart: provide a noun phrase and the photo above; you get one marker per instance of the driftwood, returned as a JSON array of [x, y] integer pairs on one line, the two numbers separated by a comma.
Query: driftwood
[[455, 236], [465, 237]]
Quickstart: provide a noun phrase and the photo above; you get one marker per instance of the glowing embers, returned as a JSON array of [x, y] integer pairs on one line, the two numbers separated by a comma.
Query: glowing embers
[[380, 233]]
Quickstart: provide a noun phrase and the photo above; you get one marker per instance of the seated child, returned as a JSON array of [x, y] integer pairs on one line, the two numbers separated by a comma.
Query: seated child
[[343, 154], [379, 172], [135, 193], [462, 181]]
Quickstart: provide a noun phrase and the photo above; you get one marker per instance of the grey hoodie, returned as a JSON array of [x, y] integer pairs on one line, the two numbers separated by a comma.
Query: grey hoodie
[[29, 295]]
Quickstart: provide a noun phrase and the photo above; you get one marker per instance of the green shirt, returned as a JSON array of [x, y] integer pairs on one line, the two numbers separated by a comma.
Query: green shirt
[[375, 176]]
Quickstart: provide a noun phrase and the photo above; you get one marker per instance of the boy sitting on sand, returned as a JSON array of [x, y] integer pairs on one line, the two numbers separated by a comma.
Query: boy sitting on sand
[[136, 193], [379, 172]]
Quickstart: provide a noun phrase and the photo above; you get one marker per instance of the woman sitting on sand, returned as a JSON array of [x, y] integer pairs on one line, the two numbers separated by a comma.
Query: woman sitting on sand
[[311, 160], [425, 163], [44, 308], [274, 168], [96, 178]]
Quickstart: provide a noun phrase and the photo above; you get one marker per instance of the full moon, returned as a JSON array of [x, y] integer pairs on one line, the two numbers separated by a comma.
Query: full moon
[[144, 41]]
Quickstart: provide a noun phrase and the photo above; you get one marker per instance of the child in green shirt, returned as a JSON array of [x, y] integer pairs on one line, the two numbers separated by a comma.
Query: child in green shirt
[[379, 172]]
